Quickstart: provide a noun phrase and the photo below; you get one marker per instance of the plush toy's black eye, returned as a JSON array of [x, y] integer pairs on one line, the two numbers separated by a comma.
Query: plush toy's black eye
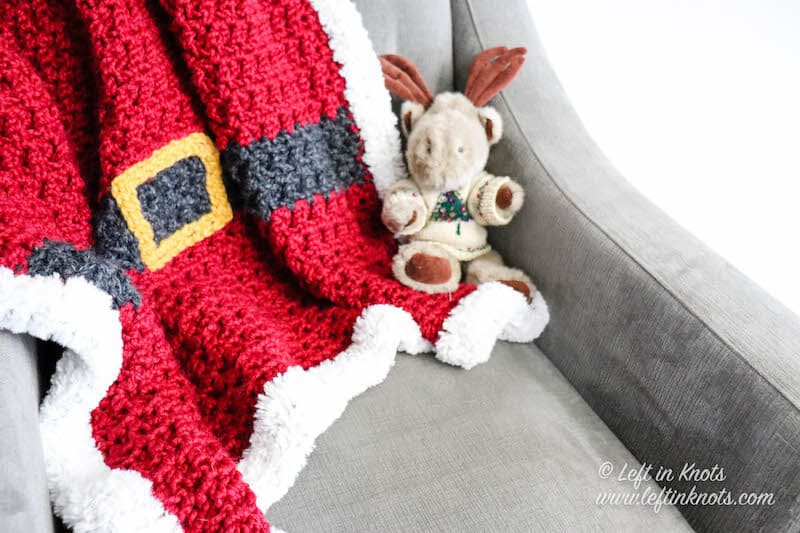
[[460, 149]]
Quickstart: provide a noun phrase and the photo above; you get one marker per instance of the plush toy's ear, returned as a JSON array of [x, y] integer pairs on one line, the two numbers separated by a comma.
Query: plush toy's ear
[[492, 123], [409, 114]]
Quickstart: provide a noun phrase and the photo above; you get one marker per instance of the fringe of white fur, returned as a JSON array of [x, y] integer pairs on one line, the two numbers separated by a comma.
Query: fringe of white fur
[[295, 407], [369, 100], [87, 494], [299, 405], [493, 311]]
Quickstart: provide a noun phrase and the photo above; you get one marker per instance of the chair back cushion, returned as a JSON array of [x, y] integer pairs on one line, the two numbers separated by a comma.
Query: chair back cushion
[[418, 29]]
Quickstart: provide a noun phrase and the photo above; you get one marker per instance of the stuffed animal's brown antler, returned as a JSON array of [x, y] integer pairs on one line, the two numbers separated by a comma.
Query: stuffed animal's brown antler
[[402, 78], [491, 71]]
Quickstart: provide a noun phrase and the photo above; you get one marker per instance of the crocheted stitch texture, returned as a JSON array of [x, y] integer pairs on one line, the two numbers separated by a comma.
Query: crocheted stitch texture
[[189, 199]]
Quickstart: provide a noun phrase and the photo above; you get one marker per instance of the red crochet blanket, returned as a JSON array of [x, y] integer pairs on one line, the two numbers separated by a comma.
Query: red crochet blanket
[[189, 197]]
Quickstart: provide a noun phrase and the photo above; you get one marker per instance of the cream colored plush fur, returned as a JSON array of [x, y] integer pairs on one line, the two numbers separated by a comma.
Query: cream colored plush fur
[[490, 267], [448, 147]]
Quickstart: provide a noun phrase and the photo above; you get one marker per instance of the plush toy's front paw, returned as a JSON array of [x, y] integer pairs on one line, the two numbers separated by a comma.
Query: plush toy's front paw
[[509, 198], [403, 213], [396, 224], [497, 201]]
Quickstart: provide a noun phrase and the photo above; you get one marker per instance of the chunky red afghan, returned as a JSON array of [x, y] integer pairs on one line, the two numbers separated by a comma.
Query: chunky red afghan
[[188, 204]]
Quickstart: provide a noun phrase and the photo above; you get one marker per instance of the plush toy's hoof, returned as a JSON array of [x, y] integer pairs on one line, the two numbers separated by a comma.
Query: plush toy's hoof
[[426, 267]]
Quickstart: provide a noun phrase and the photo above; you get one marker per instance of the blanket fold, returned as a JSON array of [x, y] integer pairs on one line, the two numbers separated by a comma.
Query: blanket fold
[[190, 199]]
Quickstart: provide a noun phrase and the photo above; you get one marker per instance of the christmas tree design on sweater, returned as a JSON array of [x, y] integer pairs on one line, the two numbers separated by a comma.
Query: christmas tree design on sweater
[[450, 208]]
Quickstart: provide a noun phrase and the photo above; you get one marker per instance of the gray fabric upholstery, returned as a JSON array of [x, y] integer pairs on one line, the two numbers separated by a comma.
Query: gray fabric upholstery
[[416, 28], [684, 358], [506, 446], [24, 503], [681, 356]]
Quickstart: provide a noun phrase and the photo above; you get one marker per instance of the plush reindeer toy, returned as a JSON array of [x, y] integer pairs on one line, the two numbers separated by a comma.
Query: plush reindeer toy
[[443, 208]]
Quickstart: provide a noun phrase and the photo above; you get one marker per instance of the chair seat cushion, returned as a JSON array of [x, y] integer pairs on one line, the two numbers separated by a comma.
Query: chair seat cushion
[[506, 446]]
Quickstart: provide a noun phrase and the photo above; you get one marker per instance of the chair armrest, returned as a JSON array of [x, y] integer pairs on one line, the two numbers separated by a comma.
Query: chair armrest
[[24, 501], [682, 356]]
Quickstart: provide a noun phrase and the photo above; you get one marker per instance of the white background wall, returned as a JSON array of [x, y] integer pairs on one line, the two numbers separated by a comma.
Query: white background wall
[[697, 102]]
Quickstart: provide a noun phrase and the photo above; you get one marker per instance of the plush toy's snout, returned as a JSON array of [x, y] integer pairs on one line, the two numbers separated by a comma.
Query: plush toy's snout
[[447, 145]]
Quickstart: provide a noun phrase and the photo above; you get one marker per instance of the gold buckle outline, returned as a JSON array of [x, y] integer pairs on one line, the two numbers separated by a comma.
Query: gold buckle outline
[[123, 189]]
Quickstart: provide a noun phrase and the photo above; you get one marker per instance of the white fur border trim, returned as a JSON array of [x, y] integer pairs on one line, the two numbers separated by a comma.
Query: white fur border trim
[[369, 100], [493, 311], [529, 324], [299, 404], [87, 494]]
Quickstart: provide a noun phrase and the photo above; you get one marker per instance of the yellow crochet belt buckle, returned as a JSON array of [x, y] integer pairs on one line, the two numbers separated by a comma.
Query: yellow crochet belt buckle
[[186, 154]]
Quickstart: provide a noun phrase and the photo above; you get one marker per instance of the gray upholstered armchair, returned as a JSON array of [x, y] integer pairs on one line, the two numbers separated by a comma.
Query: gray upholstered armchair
[[657, 352]]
